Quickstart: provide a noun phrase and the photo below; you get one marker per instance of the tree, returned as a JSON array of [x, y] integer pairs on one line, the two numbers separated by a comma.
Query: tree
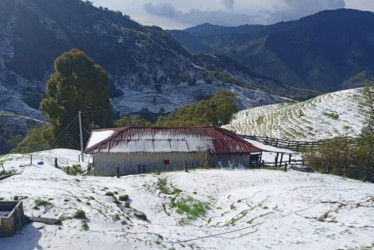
[[78, 84], [136, 121], [365, 149], [217, 111]]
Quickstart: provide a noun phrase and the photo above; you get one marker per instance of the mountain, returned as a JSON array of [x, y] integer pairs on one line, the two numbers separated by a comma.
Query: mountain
[[326, 51], [150, 72], [323, 117], [139, 59]]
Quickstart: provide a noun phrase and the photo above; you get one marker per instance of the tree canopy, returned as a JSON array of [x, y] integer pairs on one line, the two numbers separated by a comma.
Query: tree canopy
[[78, 84], [216, 110]]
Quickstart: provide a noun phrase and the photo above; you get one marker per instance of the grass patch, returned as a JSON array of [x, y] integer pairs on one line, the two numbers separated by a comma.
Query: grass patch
[[331, 115], [43, 203], [84, 225], [260, 120], [163, 187], [236, 218], [273, 168], [190, 207], [346, 127], [74, 170]]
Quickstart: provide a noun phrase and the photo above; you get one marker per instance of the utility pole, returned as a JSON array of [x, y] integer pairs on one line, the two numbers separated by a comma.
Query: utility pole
[[81, 134]]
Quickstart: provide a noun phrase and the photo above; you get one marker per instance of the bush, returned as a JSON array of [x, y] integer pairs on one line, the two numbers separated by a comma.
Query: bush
[[124, 197], [340, 158], [335, 157], [79, 214]]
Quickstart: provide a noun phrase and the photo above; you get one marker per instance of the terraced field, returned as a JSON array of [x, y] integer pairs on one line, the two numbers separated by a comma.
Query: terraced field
[[323, 117]]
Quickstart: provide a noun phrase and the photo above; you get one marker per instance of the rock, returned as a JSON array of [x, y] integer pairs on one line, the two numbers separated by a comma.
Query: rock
[[140, 215]]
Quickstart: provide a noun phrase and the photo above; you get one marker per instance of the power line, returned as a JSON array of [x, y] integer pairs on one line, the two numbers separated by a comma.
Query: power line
[[66, 128], [94, 111]]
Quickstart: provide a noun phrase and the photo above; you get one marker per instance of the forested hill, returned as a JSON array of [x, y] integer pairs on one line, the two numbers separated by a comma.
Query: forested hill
[[142, 61], [326, 51]]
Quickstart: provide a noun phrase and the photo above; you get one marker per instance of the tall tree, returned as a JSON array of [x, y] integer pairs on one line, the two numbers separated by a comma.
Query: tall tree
[[78, 84], [365, 149]]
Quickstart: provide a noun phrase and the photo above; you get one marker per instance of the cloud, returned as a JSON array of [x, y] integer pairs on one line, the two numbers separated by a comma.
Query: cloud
[[296, 9], [229, 4], [287, 10], [195, 16], [164, 9]]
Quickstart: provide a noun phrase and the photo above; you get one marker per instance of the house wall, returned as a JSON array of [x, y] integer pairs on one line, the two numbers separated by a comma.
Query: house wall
[[106, 164]]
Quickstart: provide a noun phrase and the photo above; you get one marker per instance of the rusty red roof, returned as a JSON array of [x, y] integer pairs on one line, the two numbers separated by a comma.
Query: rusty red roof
[[167, 139]]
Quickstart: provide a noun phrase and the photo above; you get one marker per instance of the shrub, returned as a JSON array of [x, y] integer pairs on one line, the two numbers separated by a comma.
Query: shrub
[[79, 214], [124, 197], [84, 225]]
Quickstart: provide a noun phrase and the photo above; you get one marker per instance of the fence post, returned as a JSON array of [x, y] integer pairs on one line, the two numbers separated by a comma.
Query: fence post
[[30, 159], [276, 144], [117, 172], [281, 159], [297, 146], [289, 159], [285, 167], [276, 160], [56, 163]]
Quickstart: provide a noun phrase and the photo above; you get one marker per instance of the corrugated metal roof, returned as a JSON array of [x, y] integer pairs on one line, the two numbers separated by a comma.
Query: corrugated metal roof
[[167, 139]]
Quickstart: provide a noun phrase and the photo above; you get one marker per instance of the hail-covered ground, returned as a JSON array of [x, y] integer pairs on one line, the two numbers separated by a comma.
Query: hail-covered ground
[[323, 117], [199, 209]]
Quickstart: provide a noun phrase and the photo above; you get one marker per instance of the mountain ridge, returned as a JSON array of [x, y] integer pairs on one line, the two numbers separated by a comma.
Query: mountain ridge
[[327, 51]]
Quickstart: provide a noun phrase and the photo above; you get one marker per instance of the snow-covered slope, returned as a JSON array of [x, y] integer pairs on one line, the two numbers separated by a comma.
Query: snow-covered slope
[[248, 209], [323, 117]]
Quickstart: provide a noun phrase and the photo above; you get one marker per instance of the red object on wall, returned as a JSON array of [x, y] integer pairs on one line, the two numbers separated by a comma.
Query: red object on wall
[[166, 162]]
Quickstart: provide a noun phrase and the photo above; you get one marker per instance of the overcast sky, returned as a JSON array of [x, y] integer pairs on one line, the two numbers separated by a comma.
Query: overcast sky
[[180, 14]]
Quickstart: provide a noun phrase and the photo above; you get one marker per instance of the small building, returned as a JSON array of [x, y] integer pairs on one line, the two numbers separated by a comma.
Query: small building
[[133, 150], [12, 217]]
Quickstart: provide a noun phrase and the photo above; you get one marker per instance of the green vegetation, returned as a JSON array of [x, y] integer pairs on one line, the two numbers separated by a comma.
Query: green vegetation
[[217, 111], [332, 116], [124, 197], [78, 84], [39, 202], [342, 158], [260, 120], [74, 170], [190, 207], [79, 214], [163, 187], [84, 225]]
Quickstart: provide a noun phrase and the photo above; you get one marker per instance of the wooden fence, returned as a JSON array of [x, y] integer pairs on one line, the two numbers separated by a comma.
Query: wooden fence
[[298, 146]]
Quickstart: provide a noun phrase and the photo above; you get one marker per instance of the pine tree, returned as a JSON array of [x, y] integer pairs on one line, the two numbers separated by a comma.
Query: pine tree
[[78, 84]]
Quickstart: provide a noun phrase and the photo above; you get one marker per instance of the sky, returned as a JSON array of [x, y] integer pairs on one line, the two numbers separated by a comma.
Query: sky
[[180, 14]]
